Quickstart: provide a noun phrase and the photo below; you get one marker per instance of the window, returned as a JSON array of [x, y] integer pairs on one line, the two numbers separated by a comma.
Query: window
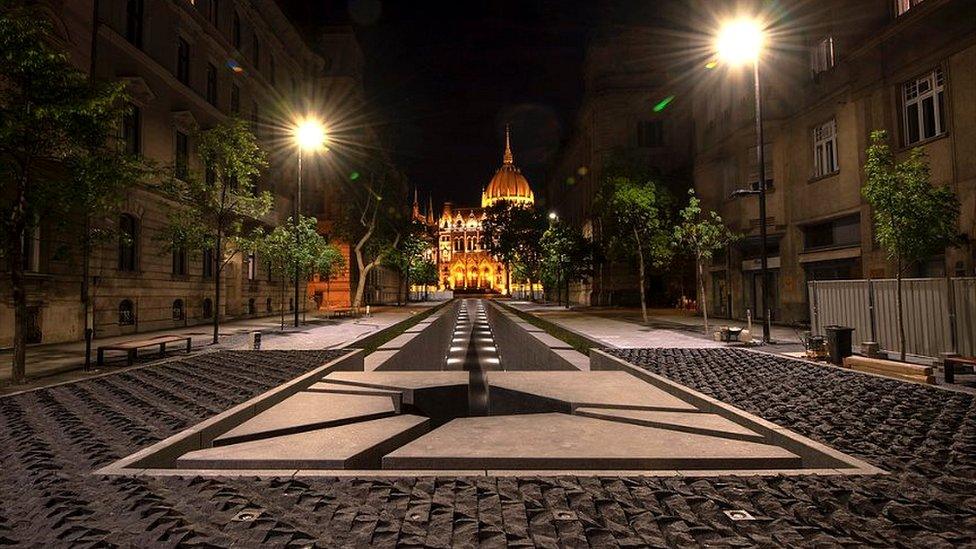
[[252, 267], [236, 31], [825, 149], [182, 155], [235, 99], [178, 312], [271, 70], [754, 166], [213, 12], [650, 133], [127, 313], [835, 233], [256, 52], [207, 308], [128, 240], [31, 239], [902, 6], [183, 61], [822, 56], [250, 306], [134, 10], [179, 261], [211, 84], [267, 305], [291, 303], [132, 129], [925, 107], [208, 263]]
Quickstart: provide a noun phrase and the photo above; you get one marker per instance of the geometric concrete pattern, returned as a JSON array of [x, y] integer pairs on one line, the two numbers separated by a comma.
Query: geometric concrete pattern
[[695, 422], [604, 389], [563, 441], [306, 411], [354, 446]]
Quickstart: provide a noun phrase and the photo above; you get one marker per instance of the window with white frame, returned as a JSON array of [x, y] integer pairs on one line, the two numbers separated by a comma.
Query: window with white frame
[[924, 99], [822, 56], [901, 6], [825, 149]]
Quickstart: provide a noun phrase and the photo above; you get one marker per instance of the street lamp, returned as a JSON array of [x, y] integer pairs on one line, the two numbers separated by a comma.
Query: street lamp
[[309, 135], [740, 42]]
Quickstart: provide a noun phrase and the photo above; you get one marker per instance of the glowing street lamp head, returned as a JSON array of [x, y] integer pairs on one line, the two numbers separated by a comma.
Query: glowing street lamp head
[[309, 134], [740, 41], [553, 216]]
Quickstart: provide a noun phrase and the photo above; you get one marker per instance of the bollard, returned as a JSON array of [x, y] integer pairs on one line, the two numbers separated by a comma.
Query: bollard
[[256, 341]]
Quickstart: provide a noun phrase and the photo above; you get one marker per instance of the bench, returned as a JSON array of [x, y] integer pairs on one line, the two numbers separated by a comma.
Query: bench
[[343, 311], [131, 348], [891, 368], [958, 365]]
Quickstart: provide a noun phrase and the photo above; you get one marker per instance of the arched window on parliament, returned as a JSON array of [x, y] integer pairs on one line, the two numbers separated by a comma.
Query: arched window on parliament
[[207, 308], [178, 310], [128, 241], [127, 313]]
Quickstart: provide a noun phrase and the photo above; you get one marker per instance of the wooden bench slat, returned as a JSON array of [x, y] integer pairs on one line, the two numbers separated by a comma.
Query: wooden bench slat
[[888, 365]]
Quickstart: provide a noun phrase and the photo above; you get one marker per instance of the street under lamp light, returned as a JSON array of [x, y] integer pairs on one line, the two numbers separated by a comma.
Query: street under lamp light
[[309, 135], [739, 42]]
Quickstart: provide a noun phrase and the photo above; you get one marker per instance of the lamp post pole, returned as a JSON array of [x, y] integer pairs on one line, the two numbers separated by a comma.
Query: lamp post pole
[[761, 158], [298, 211]]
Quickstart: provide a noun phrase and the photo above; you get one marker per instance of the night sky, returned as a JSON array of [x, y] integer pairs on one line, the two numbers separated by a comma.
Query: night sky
[[445, 77]]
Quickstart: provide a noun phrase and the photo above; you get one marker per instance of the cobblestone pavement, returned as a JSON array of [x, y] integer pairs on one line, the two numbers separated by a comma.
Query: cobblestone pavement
[[51, 440]]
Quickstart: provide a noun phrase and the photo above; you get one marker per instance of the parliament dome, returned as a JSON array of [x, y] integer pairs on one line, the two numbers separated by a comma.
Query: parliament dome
[[508, 183]]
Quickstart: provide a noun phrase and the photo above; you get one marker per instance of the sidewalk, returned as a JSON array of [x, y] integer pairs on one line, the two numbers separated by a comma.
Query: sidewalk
[[44, 361], [623, 327]]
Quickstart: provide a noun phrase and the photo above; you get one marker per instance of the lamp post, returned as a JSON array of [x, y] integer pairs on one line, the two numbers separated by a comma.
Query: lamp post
[[309, 135], [740, 42]]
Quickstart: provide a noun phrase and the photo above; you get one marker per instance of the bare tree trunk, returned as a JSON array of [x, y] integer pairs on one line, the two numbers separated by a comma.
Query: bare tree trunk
[[901, 314], [640, 270], [701, 287], [18, 224], [218, 268]]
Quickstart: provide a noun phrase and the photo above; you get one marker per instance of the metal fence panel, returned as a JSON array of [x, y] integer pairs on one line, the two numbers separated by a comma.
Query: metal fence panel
[[925, 306]]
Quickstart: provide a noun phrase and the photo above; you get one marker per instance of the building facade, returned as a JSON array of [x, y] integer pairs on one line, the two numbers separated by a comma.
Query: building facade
[[852, 68], [187, 65], [629, 118], [462, 261], [833, 72]]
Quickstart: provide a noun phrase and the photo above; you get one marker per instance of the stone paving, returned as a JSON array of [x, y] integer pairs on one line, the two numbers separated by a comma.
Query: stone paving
[[51, 439]]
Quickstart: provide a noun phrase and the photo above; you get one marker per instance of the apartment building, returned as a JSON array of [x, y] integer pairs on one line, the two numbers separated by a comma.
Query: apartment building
[[187, 64], [629, 117], [839, 71]]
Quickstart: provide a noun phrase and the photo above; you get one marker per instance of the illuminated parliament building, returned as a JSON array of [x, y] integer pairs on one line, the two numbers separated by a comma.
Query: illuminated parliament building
[[462, 263]]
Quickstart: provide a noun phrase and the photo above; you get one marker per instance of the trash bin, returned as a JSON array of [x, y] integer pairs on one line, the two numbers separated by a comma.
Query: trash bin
[[839, 343]]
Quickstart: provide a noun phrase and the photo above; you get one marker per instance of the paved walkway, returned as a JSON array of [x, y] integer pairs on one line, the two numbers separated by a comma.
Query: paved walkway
[[623, 327], [66, 360]]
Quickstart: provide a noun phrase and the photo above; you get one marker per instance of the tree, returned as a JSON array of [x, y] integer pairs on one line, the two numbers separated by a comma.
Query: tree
[[913, 220], [214, 210], [566, 256], [635, 221], [56, 149], [702, 233], [408, 256], [513, 233], [373, 221], [291, 248]]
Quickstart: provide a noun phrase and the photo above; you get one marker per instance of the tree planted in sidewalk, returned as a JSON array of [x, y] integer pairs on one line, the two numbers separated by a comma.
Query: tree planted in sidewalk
[[296, 248], [567, 256], [701, 232], [635, 219], [215, 209], [913, 220], [58, 158], [512, 234]]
